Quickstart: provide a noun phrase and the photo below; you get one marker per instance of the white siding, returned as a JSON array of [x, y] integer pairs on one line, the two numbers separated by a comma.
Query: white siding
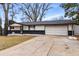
[[76, 29], [70, 27], [39, 27], [25, 27], [31, 27], [17, 28], [56, 30]]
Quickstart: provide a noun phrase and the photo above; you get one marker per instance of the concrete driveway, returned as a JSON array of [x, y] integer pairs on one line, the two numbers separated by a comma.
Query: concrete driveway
[[44, 46]]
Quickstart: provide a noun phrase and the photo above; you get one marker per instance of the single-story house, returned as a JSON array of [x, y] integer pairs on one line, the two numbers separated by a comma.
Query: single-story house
[[56, 27]]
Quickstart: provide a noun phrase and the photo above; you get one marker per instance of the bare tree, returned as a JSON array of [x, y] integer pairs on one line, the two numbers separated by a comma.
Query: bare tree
[[13, 10], [6, 9], [35, 11]]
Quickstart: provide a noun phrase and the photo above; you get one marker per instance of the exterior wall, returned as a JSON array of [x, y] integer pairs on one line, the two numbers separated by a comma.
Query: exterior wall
[[16, 28], [25, 27], [76, 29], [69, 27], [32, 28], [56, 30], [41, 27]]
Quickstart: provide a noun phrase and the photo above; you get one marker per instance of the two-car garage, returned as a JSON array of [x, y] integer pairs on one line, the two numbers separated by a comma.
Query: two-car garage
[[56, 30], [53, 30]]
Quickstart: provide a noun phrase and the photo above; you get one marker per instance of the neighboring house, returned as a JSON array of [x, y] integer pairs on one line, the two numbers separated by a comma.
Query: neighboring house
[[56, 27]]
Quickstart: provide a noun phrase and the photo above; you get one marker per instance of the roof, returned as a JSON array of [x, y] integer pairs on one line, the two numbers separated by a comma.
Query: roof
[[54, 22], [15, 25]]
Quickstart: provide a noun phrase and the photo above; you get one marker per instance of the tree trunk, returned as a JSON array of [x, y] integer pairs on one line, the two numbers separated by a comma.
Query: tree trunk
[[6, 23]]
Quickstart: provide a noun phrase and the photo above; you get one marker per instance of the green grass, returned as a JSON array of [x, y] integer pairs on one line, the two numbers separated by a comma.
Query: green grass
[[9, 41]]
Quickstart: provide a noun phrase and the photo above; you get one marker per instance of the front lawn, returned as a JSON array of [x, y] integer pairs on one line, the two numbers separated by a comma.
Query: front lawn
[[8, 41]]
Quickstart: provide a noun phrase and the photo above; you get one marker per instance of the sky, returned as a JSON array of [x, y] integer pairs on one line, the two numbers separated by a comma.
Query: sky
[[54, 12]]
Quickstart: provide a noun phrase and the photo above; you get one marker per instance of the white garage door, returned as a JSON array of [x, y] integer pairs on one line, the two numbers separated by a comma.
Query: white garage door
[[76, 29], [56, 30]]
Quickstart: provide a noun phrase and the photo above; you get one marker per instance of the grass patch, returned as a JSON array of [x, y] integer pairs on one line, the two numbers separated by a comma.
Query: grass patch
[[8, 41]]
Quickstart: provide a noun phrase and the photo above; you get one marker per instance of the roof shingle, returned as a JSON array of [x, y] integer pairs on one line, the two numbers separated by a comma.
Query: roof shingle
[[54, 22]]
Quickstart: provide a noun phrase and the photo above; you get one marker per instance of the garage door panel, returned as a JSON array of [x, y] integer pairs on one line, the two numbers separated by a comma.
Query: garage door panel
[[56, 30]]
